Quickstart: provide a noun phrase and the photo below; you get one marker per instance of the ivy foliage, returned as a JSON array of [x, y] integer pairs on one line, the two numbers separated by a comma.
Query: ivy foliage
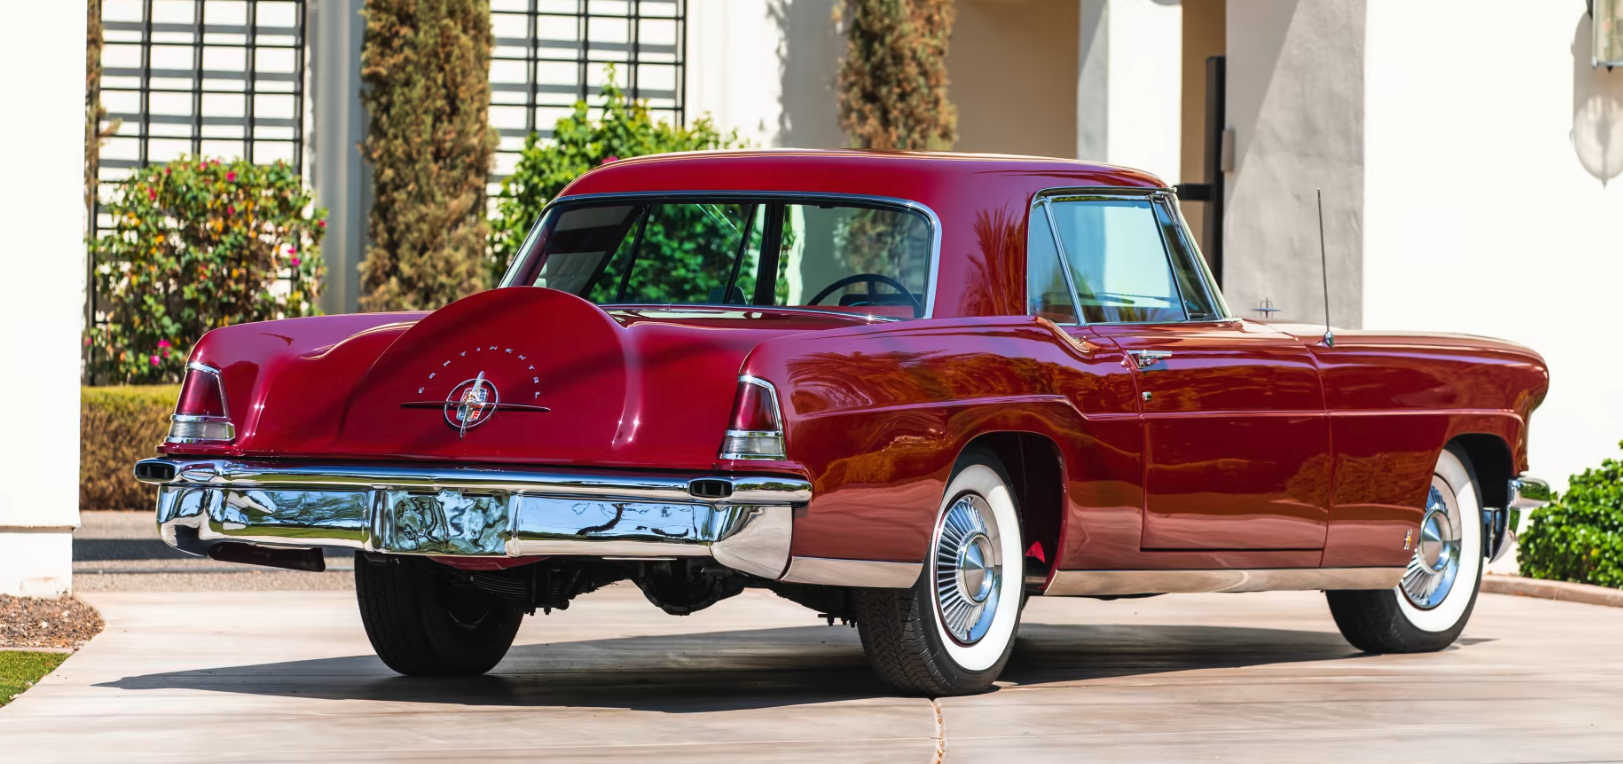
[[580, 143], [1579, 536], [194, 245], [893, 78], [426, 68]]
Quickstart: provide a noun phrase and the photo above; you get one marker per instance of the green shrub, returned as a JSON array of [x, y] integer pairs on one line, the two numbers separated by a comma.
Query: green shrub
[[426, 66], [1579, 536], [119, 426], [194, 245], [579, 144]]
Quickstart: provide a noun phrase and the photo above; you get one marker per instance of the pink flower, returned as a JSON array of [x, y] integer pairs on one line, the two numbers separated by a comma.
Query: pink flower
[[166, 170], [214, 161], [152, 195], [230, 210], [321, 224], [295, 262], [610, 158], [154, 360], [163, 343], [231, 176]]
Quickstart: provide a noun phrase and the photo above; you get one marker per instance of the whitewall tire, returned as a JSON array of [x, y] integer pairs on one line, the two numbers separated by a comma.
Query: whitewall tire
[[953, 632], [1429, 608]]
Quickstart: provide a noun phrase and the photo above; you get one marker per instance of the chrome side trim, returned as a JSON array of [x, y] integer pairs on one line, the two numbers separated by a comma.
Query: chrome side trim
[[865, 573], [1081, 583]]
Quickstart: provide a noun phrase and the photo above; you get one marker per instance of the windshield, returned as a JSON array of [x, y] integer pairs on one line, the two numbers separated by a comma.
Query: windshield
[[840, 255]]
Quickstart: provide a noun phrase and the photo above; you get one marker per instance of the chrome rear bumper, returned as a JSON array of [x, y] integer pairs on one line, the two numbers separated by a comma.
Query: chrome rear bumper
[[743, 522]]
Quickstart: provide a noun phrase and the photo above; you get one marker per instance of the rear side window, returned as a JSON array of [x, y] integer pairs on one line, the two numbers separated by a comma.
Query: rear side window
[[840, 256]]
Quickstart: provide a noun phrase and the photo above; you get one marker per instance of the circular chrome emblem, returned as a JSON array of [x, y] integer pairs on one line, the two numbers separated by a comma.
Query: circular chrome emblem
[[471, 403]]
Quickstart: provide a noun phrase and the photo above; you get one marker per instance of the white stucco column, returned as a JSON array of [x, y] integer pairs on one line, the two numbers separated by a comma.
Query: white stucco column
[[42, 48], [1130, 85]]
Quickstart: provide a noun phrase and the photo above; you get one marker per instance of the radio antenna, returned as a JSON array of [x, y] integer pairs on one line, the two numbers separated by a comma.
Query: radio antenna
[[1324, 268]]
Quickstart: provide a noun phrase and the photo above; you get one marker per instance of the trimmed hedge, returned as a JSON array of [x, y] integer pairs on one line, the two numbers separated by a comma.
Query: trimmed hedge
[[117, 427], [1579, 536]]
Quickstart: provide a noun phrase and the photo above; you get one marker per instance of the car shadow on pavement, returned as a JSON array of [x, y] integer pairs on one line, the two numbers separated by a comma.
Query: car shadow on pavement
[[717, 671]]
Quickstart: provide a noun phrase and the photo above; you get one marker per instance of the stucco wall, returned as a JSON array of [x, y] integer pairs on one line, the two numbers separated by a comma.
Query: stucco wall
[[1012, 66], [42, 210], [1488, 206], [1296, 105], [1129, 84]]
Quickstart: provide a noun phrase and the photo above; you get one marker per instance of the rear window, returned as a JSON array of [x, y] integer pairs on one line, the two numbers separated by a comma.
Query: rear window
[[794, 253]]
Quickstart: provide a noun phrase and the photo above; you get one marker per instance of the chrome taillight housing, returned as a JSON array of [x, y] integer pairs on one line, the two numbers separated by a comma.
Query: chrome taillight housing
[[756, 428], [201, 415]]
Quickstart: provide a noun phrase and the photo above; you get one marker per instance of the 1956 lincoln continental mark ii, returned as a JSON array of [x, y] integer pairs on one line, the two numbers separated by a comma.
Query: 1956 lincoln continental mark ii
[[905, 390]]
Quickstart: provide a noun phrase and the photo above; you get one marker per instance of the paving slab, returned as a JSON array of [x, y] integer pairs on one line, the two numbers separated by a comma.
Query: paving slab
[[270, 676]]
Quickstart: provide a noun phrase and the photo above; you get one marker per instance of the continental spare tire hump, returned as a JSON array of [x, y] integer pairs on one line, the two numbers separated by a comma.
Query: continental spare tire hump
[[493, 376]]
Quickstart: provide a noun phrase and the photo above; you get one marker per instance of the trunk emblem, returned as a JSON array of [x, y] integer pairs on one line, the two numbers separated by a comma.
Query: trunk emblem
[[472, 403]]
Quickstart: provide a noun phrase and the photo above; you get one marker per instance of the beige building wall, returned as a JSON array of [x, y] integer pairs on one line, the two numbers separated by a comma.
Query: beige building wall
[[1013, 69], [1204, 36]]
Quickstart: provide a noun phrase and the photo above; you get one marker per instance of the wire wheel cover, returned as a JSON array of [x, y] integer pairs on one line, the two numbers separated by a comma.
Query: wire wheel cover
[[968, 569], [1436, 561]]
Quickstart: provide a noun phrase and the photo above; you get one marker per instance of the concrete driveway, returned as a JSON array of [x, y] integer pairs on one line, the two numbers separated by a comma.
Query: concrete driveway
[[207, 676]]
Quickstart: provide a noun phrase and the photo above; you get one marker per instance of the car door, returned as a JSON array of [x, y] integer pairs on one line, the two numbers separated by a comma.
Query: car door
[[1237, 441]]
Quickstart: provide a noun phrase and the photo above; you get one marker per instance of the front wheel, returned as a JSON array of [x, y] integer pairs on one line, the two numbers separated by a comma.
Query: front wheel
[[1426, 611], [952, 633], [420, 624]]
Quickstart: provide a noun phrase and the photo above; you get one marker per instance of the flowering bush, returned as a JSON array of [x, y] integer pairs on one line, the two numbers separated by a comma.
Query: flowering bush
[[579, 144], [194, 245]]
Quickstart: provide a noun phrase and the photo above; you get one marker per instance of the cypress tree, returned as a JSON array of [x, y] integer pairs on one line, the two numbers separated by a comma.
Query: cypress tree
[[893, 79], [426, 66]]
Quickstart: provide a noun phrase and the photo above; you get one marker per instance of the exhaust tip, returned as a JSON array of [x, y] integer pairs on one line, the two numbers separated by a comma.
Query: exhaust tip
[[710, 488], [154, 471]]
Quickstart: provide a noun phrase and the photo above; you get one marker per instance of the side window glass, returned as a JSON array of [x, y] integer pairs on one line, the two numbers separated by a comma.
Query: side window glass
[[1118, 261], [1047, 294], [1198, 301]]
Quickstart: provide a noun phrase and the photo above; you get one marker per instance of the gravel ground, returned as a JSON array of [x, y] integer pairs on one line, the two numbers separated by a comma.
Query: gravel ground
[[39, 622]]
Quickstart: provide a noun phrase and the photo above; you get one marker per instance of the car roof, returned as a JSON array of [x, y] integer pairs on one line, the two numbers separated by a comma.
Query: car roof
[[853, 171], [980, 202]]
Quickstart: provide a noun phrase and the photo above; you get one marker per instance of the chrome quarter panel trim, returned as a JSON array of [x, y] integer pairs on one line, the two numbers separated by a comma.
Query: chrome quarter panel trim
[[864, 573], [756, 540], [1081, 583]]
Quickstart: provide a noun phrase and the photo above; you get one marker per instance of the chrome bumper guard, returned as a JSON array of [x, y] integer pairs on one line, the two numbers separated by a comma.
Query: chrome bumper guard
[[743, 522], [1501, 527]]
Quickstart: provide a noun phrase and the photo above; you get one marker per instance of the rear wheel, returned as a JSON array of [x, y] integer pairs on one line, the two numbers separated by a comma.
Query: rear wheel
[[1428, 609], [951, 634], [422, 625]]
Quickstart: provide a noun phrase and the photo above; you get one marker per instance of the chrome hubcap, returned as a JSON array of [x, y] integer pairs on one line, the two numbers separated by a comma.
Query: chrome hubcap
[[1436, 561], [968, 569]]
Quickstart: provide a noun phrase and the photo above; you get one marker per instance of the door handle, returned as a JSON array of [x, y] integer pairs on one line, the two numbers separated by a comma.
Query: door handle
[[1149, 360]]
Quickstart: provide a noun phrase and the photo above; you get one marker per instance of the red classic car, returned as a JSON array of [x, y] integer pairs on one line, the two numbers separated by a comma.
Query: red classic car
[[906, 390]]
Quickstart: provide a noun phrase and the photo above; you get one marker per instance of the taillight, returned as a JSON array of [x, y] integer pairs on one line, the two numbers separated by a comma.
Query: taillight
[[756, 429], [201, 415]]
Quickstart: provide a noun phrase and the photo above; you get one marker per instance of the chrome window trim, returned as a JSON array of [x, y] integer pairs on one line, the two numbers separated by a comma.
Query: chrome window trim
[[1154, 196], [789, 197]]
